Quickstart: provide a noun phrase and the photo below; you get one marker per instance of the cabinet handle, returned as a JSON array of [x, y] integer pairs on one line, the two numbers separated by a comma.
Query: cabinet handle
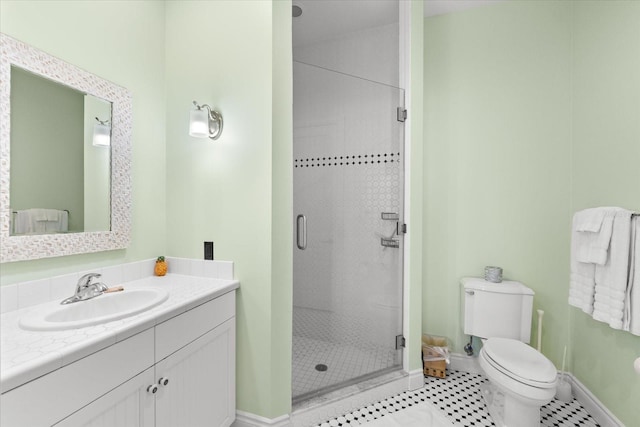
[[163, 381], [153, 388]]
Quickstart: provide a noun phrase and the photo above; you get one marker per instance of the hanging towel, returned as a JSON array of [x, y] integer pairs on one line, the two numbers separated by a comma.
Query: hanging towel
[[56, 221], [23, 222], [632, 306], [582, 279], [40, 221], [592, 239], [590, 219], [612, 277]]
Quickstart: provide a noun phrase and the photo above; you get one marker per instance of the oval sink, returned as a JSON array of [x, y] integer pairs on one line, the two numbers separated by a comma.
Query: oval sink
[[101, 309]]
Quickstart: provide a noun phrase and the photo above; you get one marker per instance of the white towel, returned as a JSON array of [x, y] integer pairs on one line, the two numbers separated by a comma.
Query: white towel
[[612, 277], [632, 306], [23, 222], [593, 246], [589, 219], [582, 280], [40, 221]]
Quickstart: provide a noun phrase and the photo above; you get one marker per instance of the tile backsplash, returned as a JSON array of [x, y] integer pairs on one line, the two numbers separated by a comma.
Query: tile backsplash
[[26, 294]]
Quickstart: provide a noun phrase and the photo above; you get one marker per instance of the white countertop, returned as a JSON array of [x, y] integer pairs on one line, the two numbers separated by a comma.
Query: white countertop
[[26, 355]]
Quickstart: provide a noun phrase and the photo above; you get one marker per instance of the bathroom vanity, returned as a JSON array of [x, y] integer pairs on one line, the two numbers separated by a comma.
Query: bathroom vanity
[[173, 364]]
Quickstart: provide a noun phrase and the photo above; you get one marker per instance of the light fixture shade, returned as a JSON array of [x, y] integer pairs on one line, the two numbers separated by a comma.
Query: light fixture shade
[[101, 135], [205, 122], [199, 123]]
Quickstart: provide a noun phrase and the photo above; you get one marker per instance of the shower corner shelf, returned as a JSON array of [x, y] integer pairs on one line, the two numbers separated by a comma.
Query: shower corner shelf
[[390, 216]]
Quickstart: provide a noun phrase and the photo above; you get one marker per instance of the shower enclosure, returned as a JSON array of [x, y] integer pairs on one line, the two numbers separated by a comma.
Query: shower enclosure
[[348, 231]]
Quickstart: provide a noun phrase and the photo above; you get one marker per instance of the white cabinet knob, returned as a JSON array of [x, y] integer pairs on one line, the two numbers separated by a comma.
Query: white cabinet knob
[[636, 365], [163, 381], [153, 388]]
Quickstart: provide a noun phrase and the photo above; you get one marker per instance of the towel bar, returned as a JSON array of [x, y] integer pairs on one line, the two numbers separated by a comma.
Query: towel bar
[[66, 210]]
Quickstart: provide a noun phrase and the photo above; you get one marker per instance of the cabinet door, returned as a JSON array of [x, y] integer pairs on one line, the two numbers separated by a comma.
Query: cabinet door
[[129, 405], [201, 381]]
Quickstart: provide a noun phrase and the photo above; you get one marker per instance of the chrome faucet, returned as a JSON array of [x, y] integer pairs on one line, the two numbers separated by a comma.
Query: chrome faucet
[[86, 289]]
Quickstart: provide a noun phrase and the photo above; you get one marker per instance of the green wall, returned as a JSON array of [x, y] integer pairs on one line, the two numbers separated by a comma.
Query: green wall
[[122, 42], [532, 111], [414, 144], [605, 169], [234, 190]]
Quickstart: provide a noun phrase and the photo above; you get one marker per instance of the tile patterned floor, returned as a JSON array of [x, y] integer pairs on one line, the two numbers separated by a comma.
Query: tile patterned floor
[[343, 362], [321, 337], [458, 397]]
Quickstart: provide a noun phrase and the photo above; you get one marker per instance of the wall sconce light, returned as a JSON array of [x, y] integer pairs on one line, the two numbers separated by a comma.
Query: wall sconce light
[[101, 133], [205, 123]]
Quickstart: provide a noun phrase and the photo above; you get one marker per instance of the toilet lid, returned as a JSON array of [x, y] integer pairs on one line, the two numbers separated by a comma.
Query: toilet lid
[[517, 359]]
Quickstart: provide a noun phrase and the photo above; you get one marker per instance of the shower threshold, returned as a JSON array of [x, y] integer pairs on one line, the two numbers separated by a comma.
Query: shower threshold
[[347, 388]]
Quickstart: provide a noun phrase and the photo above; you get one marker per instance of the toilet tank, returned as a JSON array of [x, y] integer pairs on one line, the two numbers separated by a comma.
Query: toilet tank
[[496, 309]]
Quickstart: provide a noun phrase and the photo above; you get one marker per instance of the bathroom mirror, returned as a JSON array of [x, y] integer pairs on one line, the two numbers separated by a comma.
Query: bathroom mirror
[[86, 178], [56, 161]]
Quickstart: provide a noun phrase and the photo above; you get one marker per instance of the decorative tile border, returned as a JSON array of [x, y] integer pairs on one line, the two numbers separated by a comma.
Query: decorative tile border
[[19, 248], [347, 160]]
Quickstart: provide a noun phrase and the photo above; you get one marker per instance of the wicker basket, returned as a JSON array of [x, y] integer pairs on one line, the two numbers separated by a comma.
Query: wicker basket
[[434, 349]]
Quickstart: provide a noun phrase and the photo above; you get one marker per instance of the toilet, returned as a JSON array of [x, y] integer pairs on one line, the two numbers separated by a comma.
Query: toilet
[[521, 379]]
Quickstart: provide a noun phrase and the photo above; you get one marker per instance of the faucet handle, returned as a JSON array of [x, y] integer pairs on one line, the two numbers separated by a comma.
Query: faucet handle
[[85, 280]]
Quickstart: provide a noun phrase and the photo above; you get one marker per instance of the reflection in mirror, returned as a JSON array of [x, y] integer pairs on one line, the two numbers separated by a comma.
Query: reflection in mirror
[[59, 178], [51, 159], [97, 165]]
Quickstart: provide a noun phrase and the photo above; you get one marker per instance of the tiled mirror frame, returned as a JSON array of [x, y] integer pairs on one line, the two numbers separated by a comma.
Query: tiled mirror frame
[[20, 248]]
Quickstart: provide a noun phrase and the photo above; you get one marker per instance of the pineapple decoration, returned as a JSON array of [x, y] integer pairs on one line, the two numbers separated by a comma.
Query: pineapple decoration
[[161, 267]]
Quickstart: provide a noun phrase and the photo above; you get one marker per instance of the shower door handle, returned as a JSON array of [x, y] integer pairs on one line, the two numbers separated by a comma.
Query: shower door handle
[[301, 232]]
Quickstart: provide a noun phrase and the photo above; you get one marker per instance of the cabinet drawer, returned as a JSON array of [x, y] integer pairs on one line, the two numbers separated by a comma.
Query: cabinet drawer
[[58, 394], [181, 330]]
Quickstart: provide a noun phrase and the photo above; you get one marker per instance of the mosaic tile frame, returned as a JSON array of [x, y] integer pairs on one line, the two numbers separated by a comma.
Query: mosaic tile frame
[[20, 248]]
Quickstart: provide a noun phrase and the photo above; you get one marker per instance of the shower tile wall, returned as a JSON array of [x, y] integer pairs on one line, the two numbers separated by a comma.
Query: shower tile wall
[[347, 171], [371, 54]]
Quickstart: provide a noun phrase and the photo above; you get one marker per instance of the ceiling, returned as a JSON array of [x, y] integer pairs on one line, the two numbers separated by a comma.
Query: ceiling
[[326, 19]]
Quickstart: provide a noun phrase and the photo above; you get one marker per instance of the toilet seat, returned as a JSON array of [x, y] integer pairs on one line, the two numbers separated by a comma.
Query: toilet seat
[[520, 362]]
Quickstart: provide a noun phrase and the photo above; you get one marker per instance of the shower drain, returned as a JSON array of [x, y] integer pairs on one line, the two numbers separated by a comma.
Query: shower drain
[[321, 367]]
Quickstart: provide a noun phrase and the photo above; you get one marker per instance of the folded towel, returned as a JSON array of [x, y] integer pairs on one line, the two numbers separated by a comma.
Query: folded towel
[[40, 214], [611, 278], [589, 219], [23, 222], [593, 247], [582, 289], [40, 221], [582, 279], [632, 305]]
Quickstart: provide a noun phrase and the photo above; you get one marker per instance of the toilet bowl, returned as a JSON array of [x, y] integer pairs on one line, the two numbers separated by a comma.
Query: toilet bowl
[[521, 381]]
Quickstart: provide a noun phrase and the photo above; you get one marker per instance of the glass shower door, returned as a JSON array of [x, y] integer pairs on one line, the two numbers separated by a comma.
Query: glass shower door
[[348, 187]]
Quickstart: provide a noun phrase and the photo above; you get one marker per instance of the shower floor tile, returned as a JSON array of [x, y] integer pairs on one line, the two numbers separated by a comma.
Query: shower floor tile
[[343, 362], [458, 398]]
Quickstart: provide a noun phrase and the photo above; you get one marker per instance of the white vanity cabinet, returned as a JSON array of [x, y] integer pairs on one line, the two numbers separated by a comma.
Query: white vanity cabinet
[[179, 373], [127, 405], [200, 389]]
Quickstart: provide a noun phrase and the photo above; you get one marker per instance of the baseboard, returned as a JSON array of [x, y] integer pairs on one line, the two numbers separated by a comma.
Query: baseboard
[[247, 419], [598, 411], [415, 380], [464, 363]]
